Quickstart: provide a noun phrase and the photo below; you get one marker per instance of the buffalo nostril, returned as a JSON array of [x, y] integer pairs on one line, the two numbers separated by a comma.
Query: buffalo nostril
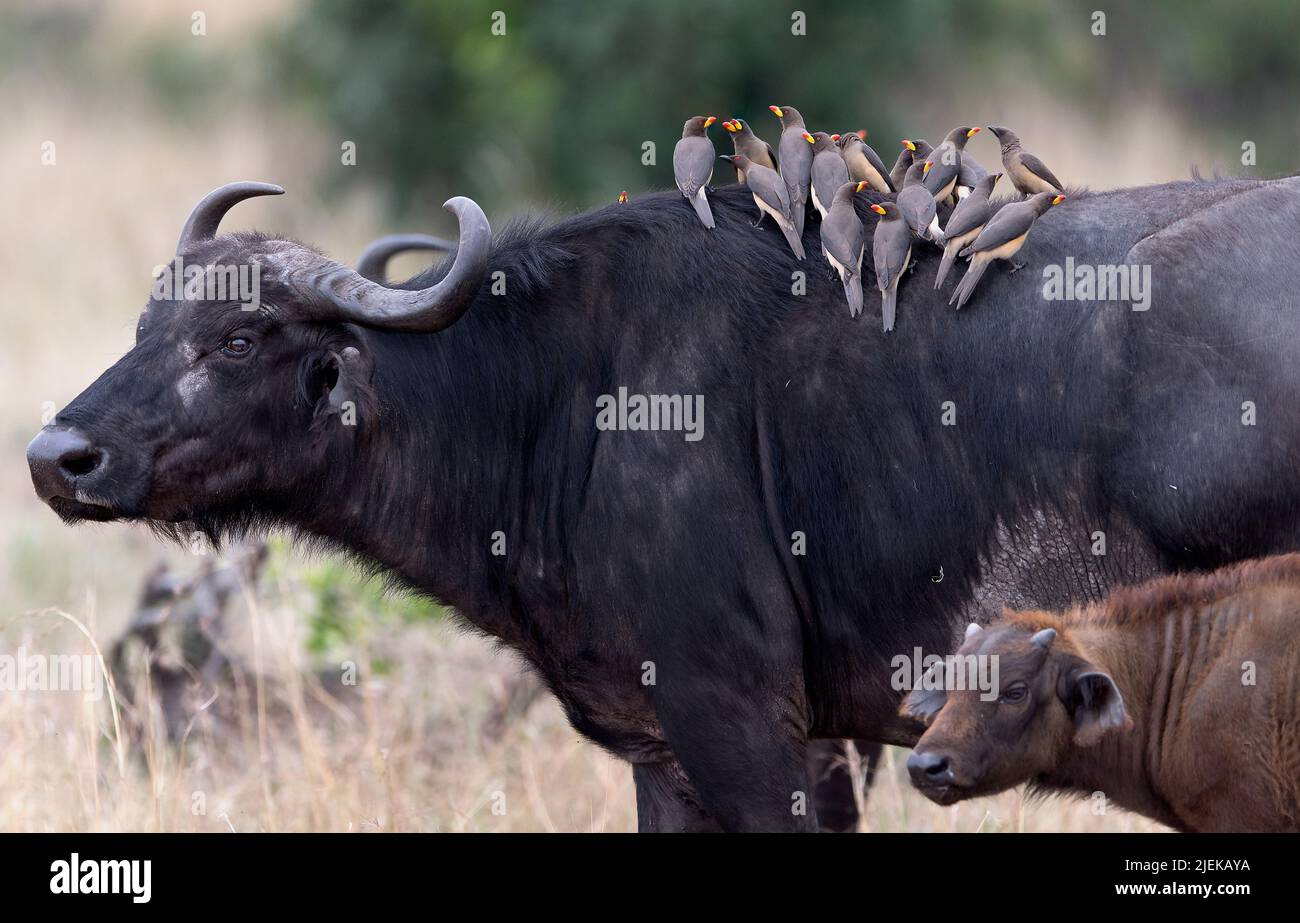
[[80, 462]]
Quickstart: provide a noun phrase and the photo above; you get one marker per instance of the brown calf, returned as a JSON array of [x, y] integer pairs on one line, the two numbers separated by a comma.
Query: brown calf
[[1178, 699]]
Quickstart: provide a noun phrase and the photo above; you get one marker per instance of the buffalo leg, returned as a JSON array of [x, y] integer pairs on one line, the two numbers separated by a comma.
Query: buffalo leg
[[833, 783], [666, 803]]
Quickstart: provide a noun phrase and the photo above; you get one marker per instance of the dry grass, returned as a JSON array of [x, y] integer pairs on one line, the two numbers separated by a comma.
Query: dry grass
[[407, 750]]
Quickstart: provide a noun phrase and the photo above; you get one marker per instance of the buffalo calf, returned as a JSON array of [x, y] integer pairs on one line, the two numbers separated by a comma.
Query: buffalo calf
[[1178, 699]]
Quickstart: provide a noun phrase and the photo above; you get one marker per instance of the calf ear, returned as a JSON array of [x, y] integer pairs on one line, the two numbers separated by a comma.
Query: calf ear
[[927, 699], [1097, 706]]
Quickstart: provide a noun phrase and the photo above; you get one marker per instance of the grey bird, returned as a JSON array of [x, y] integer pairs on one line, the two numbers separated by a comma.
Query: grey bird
[[373, 264], [829, 172], [945, 163], [972, 171], [1027, 173], [693, 159], [1001, 239], [744, 141], [771, 197], [965, 223], [864, 163], [912, 152], [843, 241], [796, 161], [917, 204], [891, 250]]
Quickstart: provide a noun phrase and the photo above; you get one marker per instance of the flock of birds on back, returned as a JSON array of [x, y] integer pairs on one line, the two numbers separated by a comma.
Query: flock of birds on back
[[832, 168]]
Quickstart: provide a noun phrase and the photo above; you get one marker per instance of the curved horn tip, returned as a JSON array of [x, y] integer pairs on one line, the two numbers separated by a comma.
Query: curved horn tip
[[1044, 638], [206, 216]]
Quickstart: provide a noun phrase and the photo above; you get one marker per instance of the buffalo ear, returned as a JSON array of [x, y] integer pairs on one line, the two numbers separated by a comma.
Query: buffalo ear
[[332, 381], [1096, 705]]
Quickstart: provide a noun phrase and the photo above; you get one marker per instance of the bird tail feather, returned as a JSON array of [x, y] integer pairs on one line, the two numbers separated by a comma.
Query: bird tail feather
[[889, 306], [702, 209], [796, 214], [945, 265], [968, 283], [793, 240], [853, 291]]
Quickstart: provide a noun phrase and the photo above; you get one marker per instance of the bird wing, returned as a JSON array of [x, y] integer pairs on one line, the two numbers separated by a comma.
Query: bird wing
[[796, 158], [1008, 224], [693, 164], [874, 159], [828, 174], [843, 236], [768, 186], [771, 154], [969, 214], [889, 250], [972, 171], [1039, 169]]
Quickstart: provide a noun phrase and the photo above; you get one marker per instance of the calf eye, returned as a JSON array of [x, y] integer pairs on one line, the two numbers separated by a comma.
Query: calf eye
[[1015, 693], [236, 346]]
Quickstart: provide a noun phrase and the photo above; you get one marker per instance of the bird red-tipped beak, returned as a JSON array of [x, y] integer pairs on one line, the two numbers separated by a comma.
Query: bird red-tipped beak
[[809, 138], [909, 145], [926, 169], [972, 133], [863, 184], [732, 126], [878, 209], [622, 196], [710, 120], [776, 110], [861, 133], [1058, 200]]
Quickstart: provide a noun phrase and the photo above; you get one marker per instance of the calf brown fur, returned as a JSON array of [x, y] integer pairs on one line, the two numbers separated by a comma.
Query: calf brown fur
[[1178, 699]]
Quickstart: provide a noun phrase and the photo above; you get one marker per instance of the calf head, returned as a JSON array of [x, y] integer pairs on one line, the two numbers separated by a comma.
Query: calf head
[[248, 346], [1049, 699]]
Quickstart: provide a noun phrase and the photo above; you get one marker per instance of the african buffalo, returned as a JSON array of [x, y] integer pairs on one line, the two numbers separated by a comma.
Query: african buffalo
[[1176, 699], [704, 597]]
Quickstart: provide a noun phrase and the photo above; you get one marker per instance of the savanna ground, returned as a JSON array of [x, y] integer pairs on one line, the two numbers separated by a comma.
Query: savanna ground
[[406, 748]]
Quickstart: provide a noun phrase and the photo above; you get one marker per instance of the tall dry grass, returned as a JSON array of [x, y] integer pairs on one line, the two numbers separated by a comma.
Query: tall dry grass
[[403, 750]]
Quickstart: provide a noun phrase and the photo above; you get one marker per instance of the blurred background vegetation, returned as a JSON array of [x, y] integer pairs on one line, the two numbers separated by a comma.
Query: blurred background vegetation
[[120, 114]]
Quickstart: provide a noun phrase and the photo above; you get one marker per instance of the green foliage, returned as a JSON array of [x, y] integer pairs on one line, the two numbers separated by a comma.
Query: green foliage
[[557, 109]]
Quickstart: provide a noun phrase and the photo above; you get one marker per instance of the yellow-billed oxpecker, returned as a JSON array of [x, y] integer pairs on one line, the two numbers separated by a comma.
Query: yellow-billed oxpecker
[[965, 223], [771, 196], [1027, 173], [1001, 239], [796, 161], [917, 204], [693, 159], [863, 162], [891, 251], [844, 239], [829, 171], [744, 141], [945, 163]]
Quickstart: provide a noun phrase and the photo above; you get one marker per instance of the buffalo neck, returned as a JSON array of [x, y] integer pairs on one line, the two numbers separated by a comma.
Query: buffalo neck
[[452, 487], [1125, 764]]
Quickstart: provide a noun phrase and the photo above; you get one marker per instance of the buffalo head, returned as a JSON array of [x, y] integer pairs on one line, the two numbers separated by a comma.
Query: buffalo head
[[1048, 700], [248, 346]]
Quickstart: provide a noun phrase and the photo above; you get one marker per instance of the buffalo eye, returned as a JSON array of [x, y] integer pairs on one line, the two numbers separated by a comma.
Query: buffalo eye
[[237, 346], [1014, 694]]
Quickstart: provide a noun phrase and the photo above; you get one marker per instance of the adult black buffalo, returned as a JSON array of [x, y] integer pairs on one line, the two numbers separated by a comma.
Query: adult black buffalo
[[702, 607]]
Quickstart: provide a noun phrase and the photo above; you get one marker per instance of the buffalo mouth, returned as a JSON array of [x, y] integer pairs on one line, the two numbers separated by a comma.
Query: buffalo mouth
[[74, 511], [945, 793]]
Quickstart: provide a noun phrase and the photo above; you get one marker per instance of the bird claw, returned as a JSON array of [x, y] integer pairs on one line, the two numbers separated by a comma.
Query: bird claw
[[1016, 267]]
